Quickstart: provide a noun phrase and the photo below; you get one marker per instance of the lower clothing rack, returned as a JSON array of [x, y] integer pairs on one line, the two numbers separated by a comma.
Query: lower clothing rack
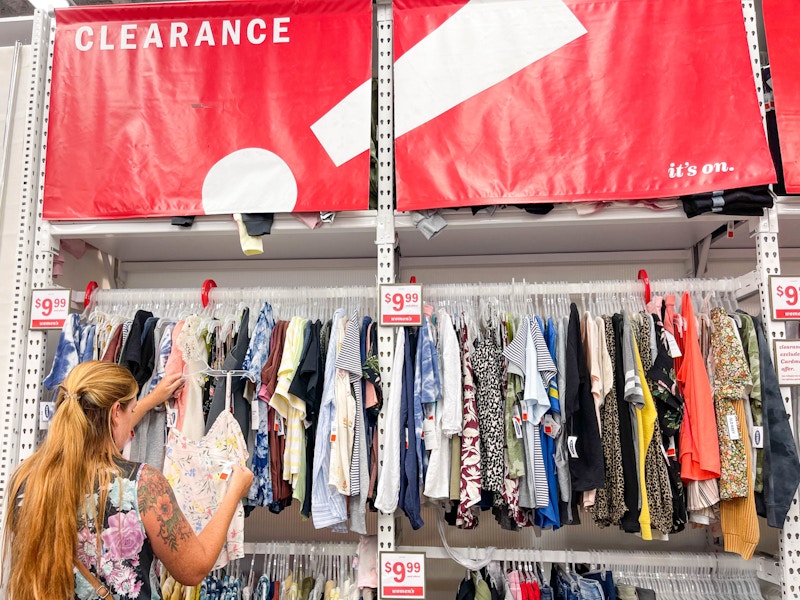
[[765, 567]]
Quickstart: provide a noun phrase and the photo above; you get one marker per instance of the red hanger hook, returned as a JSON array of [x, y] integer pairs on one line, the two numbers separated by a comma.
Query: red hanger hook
[[87, 296], [644, 277], [412, 280], [205, 290]]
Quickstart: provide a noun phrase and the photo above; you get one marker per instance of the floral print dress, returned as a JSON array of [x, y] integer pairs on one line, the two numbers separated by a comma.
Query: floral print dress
[[125, 562], [194, 470]]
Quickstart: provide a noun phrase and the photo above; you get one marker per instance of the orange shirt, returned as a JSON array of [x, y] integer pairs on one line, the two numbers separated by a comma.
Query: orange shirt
[[699, 443]]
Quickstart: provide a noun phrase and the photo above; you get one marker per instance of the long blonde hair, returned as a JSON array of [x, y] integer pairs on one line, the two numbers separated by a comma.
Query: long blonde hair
[[48, 490]]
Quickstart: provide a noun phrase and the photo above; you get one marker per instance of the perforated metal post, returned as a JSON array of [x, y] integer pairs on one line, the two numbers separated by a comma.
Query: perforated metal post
[[768, 263], [385, 234], [32, 269]]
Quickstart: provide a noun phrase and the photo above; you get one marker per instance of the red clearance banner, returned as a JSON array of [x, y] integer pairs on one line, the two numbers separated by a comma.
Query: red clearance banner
[[782, 22], [209, 108], [516, 101]]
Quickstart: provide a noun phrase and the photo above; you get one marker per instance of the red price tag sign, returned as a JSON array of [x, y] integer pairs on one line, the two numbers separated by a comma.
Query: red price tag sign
[[402, 575], [49, 308], [401, 305], [784, 297]]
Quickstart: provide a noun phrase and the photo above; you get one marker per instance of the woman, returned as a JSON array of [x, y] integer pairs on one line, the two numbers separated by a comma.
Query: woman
[[78, 479]]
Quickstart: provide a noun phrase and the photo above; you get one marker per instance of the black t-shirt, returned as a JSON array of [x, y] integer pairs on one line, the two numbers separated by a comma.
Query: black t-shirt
[[139, 351], [587, 471]]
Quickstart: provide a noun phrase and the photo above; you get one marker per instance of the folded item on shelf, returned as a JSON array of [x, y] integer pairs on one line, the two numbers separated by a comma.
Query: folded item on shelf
[[746, 201]]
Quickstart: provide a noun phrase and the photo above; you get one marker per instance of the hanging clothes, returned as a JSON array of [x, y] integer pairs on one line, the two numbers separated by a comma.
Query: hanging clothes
[[288, 407], [234, 361], [731, 379], [308, 386], [328, 507], [698, 438], [388, 494], [410, 430], [609, 506], [470, 494], [349, 362], [781, 465], [586, 453], [446, 412], [548, 515], [486, 368], [139, 351], [656, 478], [189, 399], [343, 436], [66, 357], [193, 469], [747, 334], [281, 489]]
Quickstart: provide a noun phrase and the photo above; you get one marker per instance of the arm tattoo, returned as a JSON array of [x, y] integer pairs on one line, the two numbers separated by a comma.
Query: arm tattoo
[[155, 494]]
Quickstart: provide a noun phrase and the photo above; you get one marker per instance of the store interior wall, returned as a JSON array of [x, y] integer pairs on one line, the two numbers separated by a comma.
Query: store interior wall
[[12, 192]]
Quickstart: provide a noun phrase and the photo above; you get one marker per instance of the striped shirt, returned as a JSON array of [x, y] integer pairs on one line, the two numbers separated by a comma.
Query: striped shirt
[[328, 506]]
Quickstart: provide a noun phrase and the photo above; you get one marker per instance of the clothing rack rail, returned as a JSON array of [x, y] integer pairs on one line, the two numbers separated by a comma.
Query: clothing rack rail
[[138, 295], [765, 567], [741, 287], [192, 299], [302, 548]]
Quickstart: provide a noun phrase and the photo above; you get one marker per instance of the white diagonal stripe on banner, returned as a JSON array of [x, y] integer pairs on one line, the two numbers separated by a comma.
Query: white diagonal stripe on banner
[[482, 44], [345, 129]]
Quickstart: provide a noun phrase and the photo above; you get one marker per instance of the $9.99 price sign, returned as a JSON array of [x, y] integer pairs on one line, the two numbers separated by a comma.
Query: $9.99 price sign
[[784, 295], [49, 308], [402, 575], [401, 305]]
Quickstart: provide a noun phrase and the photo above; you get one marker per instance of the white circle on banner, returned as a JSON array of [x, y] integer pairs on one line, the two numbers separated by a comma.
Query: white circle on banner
[[250, 180]]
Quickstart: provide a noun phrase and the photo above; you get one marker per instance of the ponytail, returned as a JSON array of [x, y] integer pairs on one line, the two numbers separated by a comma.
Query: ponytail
[[48, 490]]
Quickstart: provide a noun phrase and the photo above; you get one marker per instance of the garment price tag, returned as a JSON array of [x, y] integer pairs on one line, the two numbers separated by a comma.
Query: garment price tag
[[551, 427], [672, 343], [402, 575], [733, 427], [671, 450], [516, 419], [46, 412], [664, 452], [281, 425], [429, 426], [431, 441], [758, 436], [49, 308], [334, 430], [227, 470], [572, 446], [254, 416], [429, 418], [401, 305], [172, 418]]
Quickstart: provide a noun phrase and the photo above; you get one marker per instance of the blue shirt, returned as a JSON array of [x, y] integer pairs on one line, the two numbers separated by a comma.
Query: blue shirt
[[328, 506], [258, 350]]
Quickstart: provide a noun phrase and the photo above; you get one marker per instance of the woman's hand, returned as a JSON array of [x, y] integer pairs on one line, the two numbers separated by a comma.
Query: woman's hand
[[241, 480], [166, 389]]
